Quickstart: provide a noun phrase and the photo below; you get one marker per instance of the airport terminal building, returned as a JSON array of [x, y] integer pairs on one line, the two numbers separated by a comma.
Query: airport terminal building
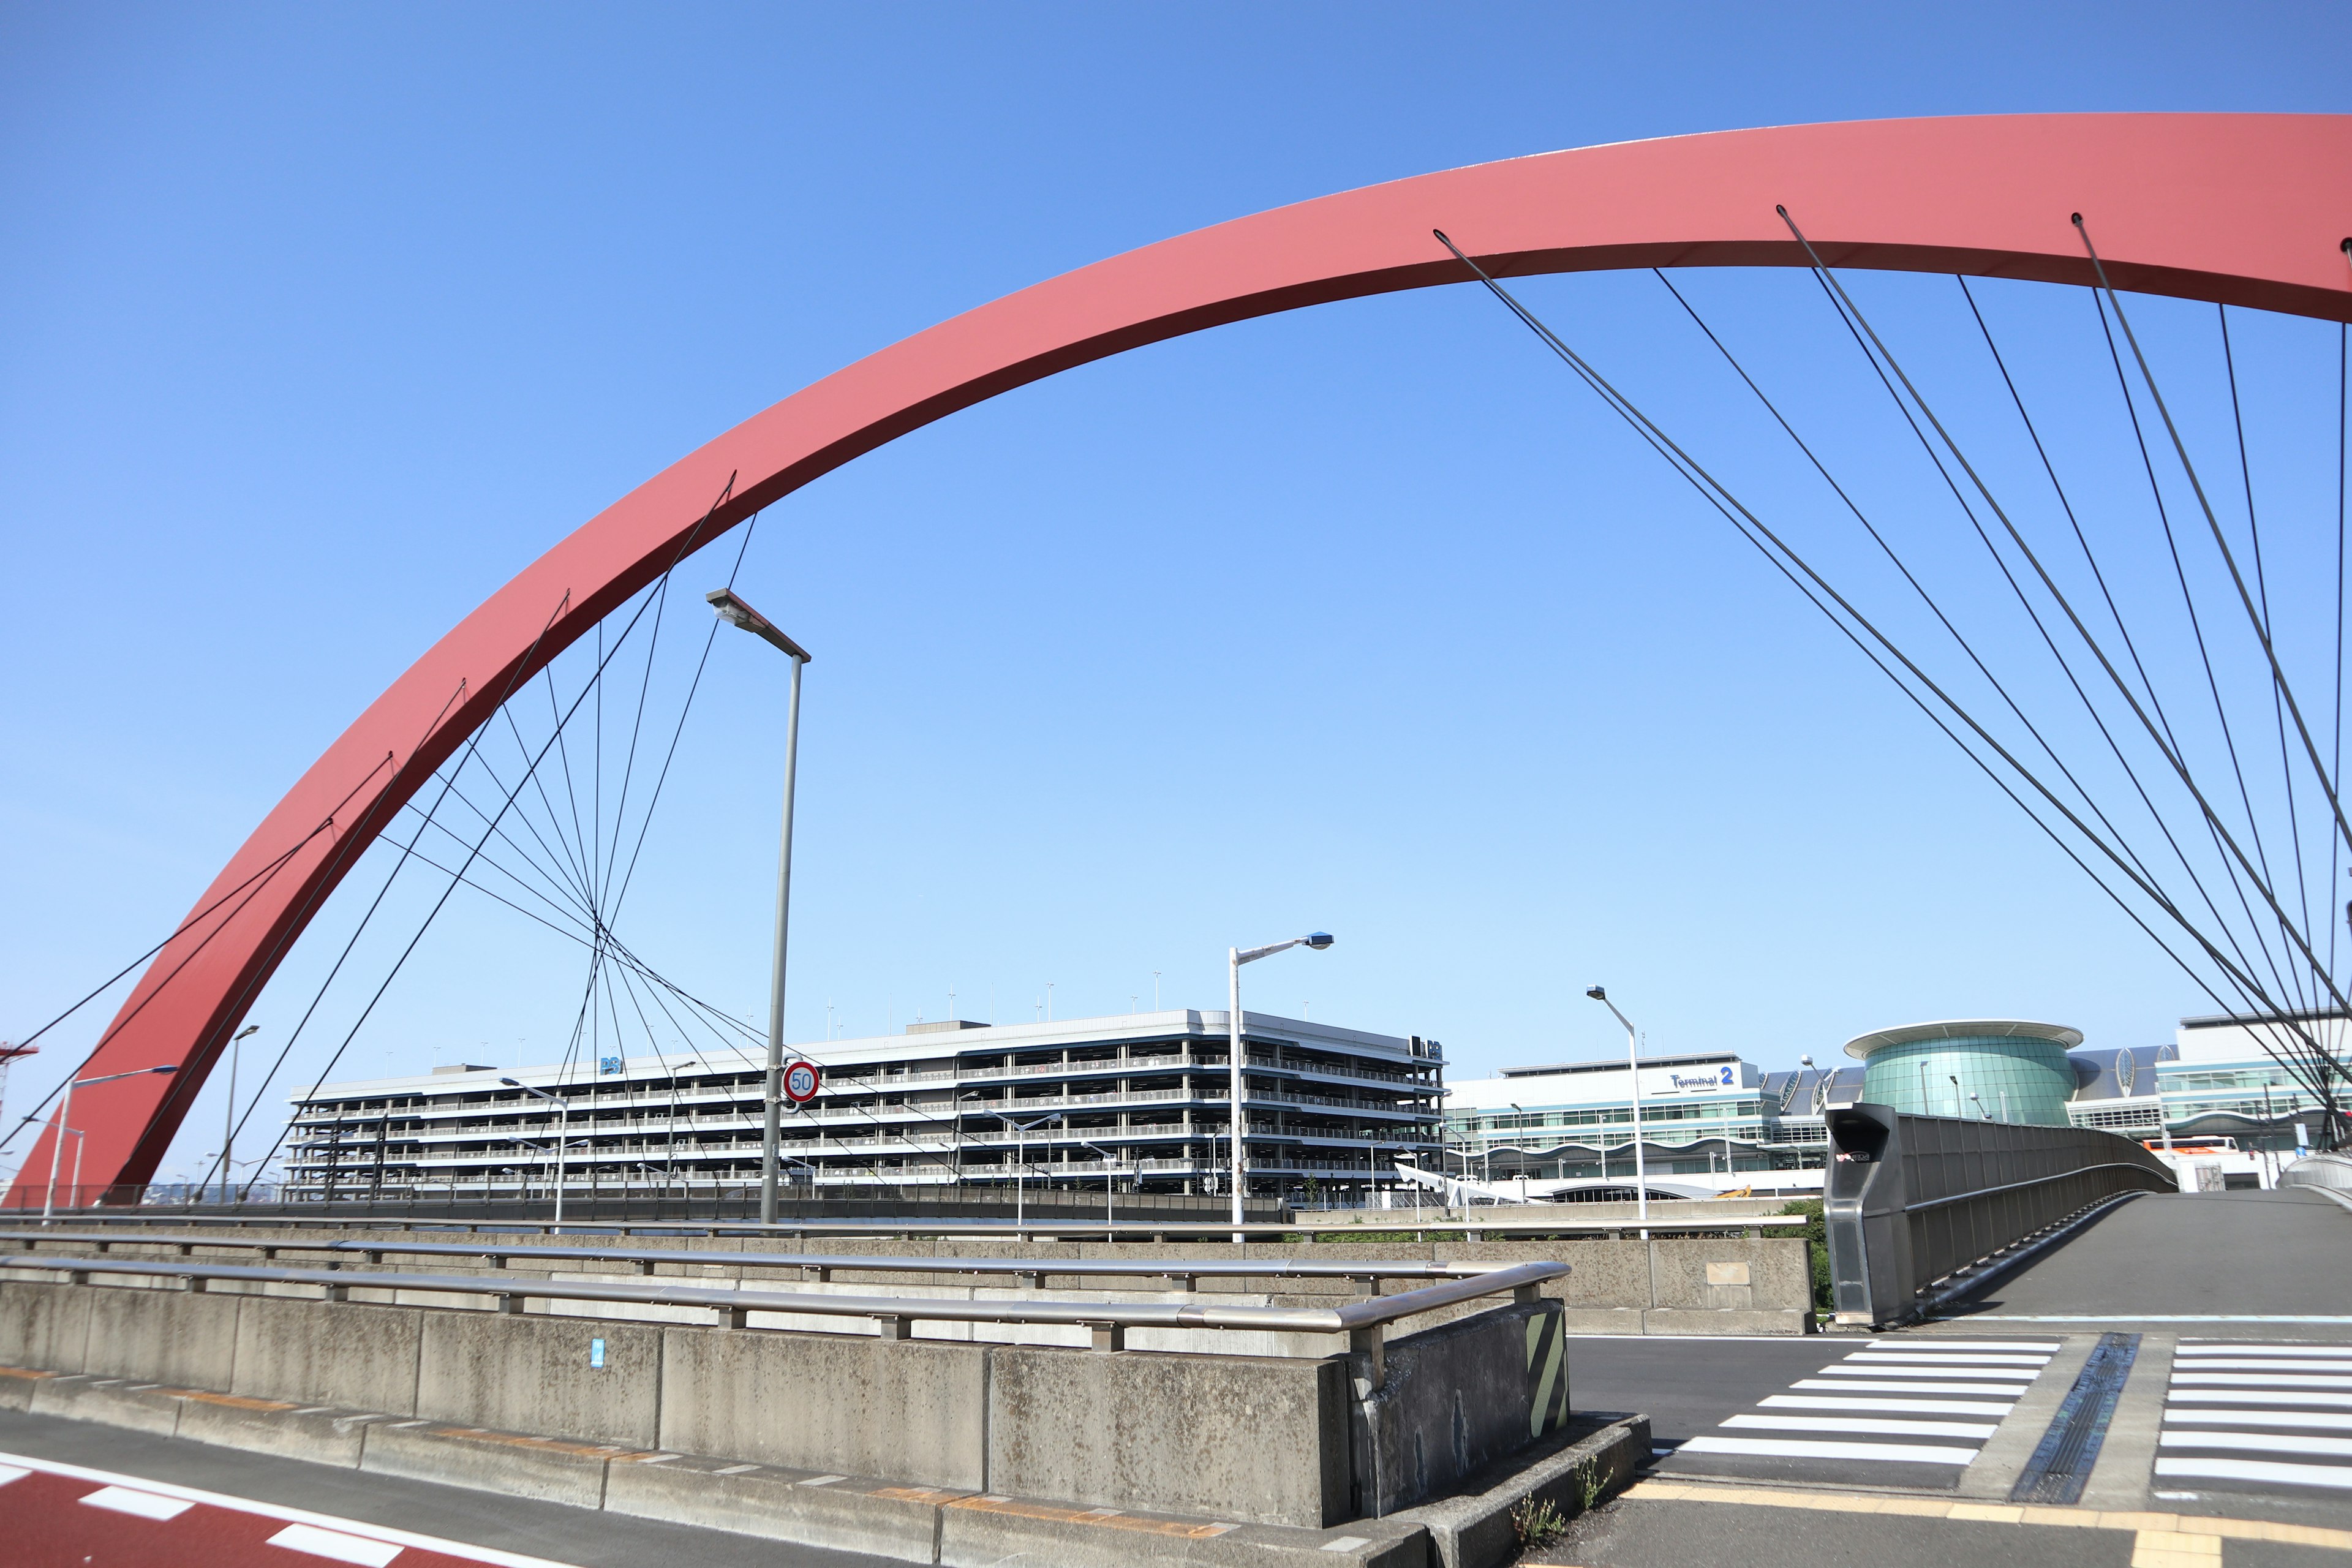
[[1138, 1102]]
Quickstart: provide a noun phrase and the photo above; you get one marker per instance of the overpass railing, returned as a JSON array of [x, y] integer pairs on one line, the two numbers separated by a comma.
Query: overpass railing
[[1518, 1225], [2329, 1172], [820, 1267], [1363, 1321], [1914, 1203]]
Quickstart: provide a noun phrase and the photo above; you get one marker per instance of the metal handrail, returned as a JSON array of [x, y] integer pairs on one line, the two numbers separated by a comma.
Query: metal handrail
[[2013, 1186], [1521, 1280], [991, 1230], [825, 1263]]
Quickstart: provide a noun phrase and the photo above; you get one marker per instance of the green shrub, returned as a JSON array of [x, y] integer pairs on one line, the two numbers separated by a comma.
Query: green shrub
[[1817, 1249]]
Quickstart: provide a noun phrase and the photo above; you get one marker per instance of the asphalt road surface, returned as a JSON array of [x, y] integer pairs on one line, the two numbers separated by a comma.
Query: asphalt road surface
[[2252, 1264]]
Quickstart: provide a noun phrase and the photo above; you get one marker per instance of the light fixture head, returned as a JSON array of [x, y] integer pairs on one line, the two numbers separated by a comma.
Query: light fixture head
[[1319, 940], [736, 613], [1804, 1061], [1598, 992], [249, 1029], [167, 1066], [510, 1083]]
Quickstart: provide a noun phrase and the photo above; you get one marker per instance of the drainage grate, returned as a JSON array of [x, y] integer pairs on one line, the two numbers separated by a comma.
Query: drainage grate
[[2061, 1463]]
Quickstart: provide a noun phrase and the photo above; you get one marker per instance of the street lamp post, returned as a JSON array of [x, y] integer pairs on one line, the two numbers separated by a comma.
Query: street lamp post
[[1634, 1062], [736, 613], [1020, 1157], [65, 1119], [1110, 1175], [228, 1120], [1234, 958], [563, 1138]]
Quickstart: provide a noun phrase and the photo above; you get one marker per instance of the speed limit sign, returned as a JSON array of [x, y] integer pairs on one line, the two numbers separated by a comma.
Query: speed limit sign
[[800, 1082]]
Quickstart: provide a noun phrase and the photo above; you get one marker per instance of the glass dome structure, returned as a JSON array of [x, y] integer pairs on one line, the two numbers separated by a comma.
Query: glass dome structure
[[2002, 1069]]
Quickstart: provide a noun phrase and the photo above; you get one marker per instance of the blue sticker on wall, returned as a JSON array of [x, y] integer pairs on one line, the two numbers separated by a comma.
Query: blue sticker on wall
[[596, 1353]]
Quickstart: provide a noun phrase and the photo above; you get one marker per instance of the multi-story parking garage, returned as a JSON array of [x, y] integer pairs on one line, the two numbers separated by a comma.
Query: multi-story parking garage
[[1139, 1103]]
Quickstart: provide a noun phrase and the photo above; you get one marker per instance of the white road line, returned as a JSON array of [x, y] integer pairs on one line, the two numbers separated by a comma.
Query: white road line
[[1978, 1430], [146, 1505], [2226, 1348], [2271, 1442], [336, 1545], [1899, 1407], [1908, 1357], [12, 1473], [2050, 1346], [1790, 1448], [1827, 1386], [462, 1550], [2317, 1419], [2270, 1470], [1844, 1370], [2255, 1396], [2257, 1363], [2251, 1380]]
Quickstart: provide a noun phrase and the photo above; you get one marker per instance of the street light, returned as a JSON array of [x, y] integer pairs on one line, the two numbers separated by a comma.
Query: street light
[[1633, 1061], [563, 1138], [229, 1119], [1980, 1105], [1234, 958], [1019, 1154], [65, 1119], [1110, 1175], [736, 613]]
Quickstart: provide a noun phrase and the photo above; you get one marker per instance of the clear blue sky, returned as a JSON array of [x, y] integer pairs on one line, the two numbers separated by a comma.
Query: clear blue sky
[[319, 323]]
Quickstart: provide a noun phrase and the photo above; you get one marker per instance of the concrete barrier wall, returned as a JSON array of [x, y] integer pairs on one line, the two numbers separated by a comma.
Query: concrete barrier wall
[[1267, 1440]]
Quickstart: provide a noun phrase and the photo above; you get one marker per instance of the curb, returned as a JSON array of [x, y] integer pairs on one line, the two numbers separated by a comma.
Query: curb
[[1574, 1473]]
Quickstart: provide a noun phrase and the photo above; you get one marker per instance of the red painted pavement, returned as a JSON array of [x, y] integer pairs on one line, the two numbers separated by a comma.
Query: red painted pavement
[[64, 1516]]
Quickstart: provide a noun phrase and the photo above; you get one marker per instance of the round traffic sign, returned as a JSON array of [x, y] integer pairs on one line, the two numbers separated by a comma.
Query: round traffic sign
[[800, 1082]]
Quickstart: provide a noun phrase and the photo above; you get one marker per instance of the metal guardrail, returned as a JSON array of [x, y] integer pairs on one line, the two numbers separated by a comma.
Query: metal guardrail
[[1361, 1320], [2329, 1172], [817, 1265], [1047, 1229], [1913, 1201]]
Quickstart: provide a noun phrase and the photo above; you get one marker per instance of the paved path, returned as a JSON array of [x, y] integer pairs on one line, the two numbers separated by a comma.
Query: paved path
[[2253, 1264]]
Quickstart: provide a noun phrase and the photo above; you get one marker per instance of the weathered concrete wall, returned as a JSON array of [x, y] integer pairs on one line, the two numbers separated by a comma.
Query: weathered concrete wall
[[526, 1373], [1240, 1437], [1455, 1401], [880, 1407], [358, 1357], [1267, 1440]]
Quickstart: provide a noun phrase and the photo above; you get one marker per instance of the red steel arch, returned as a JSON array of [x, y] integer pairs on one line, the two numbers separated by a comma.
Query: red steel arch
[[2248, 210]]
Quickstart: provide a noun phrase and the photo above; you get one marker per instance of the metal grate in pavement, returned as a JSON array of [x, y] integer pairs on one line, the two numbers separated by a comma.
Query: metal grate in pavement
[[2062, 1461]]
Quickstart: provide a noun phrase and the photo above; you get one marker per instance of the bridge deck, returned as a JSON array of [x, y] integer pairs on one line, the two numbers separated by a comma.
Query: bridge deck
[[2236, 1258]]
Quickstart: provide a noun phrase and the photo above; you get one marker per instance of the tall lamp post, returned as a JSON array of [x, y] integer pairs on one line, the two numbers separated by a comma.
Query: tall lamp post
[[736, 613], [228, 1120], [65, 1119], [1634, 1062], [1234, 958], [563, 1137]]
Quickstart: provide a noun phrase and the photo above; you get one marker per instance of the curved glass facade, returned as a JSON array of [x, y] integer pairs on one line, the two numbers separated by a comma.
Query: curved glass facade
[[2015, 1078]]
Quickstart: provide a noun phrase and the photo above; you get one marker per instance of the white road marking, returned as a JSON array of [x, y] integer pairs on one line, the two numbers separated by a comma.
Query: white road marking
[[2266, 1364], [2051, 1346], [2226, 1347], [2253, 1380], [2315, 1418], [1844, 1370], [1931, 1358], [335, 1544], [1826, 1385], [2272, 1442], [1879, 1429], [2254, 1396], [1791, 1449], [2259, 1470], [146, 1505], [1905, 1407], [12, 1473]]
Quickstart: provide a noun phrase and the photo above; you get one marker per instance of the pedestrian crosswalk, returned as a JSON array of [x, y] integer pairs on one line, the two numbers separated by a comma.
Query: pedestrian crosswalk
[[1890, 1401], [2262, 1416]]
